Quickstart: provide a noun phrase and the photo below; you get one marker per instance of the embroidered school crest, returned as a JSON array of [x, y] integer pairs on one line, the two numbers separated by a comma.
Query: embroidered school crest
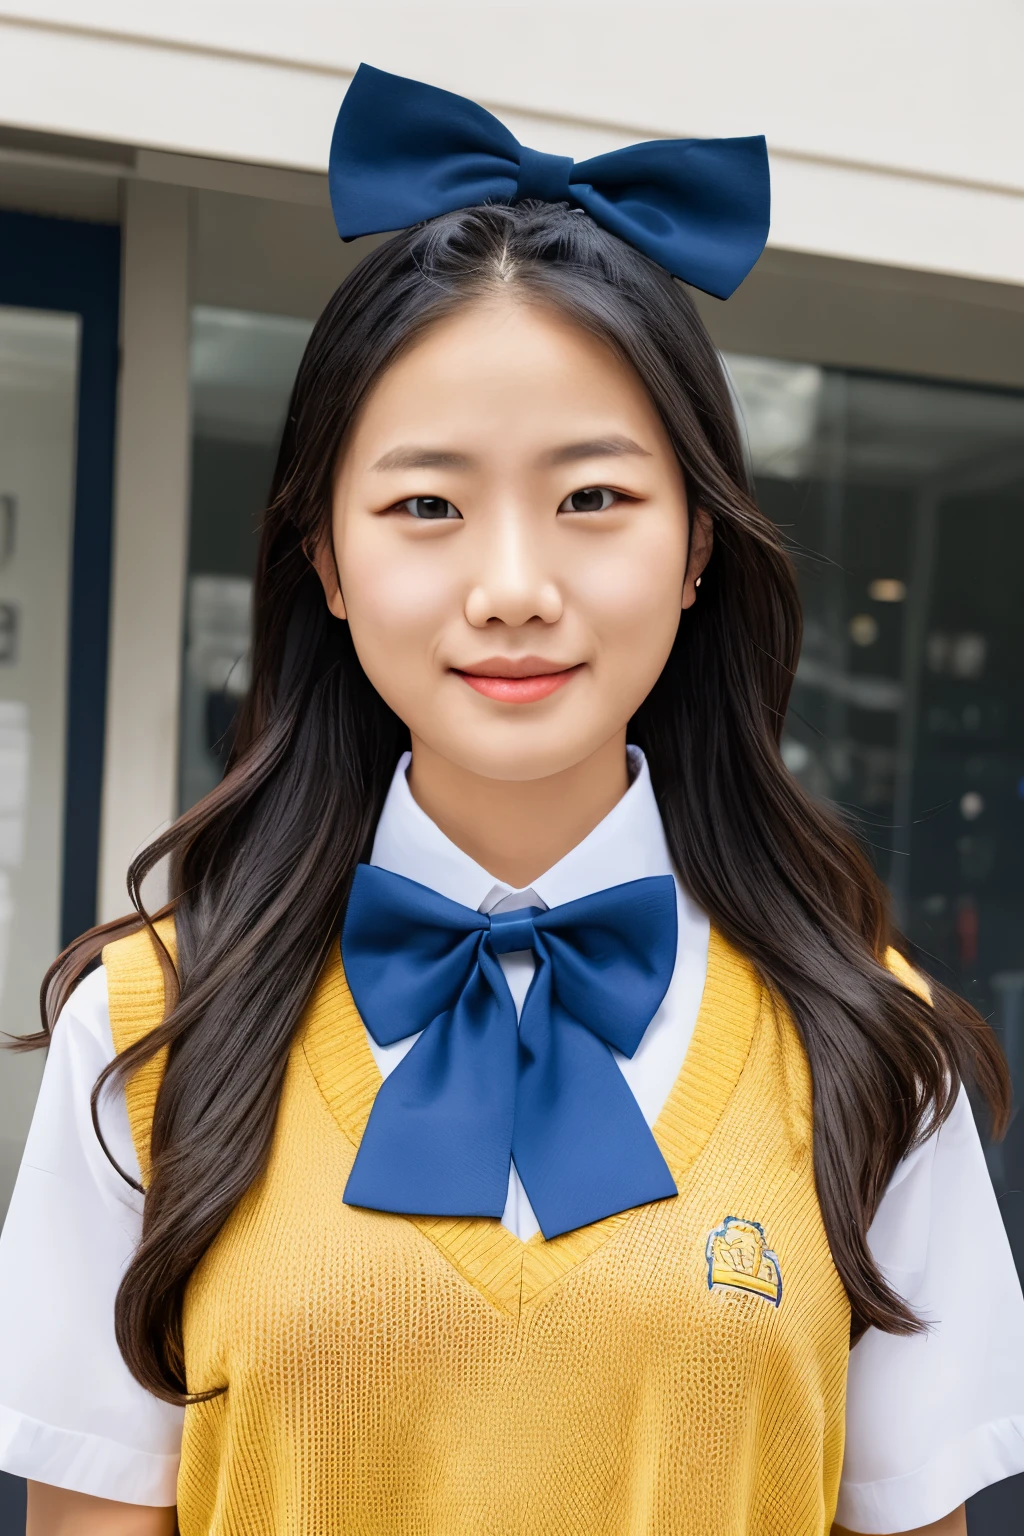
[[738, 1255]]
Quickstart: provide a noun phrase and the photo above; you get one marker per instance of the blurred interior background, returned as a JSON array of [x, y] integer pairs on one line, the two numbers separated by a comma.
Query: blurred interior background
[[166, 243]]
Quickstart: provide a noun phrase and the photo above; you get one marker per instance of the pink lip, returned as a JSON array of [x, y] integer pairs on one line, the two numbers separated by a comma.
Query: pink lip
[[519, 689]]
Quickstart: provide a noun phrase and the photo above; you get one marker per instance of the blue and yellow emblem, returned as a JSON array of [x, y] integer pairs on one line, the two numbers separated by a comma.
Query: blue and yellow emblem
[[738, 1255]]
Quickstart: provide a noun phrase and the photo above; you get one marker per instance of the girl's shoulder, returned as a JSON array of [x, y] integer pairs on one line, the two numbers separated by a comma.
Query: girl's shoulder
[[140, 973], [138, 968], [904, 972], [83, 1023]]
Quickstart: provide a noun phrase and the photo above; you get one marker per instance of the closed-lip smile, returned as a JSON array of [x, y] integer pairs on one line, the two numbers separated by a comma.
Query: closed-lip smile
[[517, 679]]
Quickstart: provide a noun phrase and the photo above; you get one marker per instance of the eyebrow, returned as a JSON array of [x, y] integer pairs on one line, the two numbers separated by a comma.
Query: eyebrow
[[411, 456], [613, 447]]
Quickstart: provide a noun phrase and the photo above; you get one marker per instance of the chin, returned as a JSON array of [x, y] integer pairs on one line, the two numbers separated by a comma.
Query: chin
[[513, 758]]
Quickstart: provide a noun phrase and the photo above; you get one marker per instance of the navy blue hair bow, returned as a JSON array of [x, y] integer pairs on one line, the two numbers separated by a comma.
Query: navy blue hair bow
[[403, 152]]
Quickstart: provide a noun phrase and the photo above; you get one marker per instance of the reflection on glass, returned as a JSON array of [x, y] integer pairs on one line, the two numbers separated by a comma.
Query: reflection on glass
[[904, 503], [242, 369], [38, 389]]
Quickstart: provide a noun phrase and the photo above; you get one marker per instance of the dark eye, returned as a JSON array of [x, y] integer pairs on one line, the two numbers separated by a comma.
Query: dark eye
[[594, 498], [429, 507]]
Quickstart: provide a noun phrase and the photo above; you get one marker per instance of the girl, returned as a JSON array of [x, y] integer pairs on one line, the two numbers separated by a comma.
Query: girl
[[530, 1096]]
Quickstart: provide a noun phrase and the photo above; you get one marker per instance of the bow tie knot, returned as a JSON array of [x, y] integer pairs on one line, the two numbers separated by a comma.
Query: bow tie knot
[[511, 931], [478, 1090]]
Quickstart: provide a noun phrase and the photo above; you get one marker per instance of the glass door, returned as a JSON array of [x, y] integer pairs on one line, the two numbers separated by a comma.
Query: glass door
[[38, 387], [903, 502], [58, 364]]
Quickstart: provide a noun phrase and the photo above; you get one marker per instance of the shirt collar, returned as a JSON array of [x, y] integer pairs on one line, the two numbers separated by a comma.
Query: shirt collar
[[629, 844]]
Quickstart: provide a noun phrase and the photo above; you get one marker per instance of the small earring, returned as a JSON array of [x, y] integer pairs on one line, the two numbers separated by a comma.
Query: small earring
[[697, 582]]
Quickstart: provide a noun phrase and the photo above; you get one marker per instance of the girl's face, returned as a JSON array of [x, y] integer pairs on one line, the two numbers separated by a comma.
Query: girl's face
[[510, 541]]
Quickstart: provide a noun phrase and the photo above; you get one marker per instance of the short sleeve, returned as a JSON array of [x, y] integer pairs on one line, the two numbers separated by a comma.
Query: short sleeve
[[71, 1414], [934, 1417]]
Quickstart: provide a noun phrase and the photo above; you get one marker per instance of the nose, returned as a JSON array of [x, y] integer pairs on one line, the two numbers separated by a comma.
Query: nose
[[512, 585]]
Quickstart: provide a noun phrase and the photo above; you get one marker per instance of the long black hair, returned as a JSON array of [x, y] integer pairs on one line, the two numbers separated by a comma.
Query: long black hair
[[261, 867]]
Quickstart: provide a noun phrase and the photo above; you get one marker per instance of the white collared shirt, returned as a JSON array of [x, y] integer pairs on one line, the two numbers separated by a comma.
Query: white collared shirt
[[930, 1419], [631, 841]]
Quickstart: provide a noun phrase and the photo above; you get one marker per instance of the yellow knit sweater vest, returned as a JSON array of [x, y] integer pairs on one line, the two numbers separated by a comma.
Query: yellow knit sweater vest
[[679, 1369]]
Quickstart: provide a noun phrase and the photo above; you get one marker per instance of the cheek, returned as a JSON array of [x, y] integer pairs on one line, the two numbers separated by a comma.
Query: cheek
[[391, 585], [632, 596], [397, 605]]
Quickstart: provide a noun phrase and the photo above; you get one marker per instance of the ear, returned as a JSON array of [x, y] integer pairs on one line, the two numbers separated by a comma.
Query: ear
[[701, 544], [321, 558]]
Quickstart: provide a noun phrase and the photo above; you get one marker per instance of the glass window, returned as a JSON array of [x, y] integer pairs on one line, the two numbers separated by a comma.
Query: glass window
[[38, 390], [904, 503], [242, 369]]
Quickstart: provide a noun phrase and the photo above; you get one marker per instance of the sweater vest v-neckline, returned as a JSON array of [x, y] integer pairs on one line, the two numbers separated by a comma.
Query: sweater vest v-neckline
[[504, 1269], [680, 1366], [332, 1040]]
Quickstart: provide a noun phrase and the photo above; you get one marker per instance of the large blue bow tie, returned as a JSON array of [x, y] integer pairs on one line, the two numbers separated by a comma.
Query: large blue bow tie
[[403, 152], [475, 1090]]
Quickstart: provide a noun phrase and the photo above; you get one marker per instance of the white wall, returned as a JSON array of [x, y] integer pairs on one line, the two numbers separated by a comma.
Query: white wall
[[150, 536], [896, 126]]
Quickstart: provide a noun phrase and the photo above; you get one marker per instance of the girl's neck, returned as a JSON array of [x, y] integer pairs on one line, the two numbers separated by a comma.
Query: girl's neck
[[517, 829]]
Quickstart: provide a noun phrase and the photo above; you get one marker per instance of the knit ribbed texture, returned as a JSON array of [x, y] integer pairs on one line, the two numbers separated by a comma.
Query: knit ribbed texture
[[436, 1376], [135, 999]]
